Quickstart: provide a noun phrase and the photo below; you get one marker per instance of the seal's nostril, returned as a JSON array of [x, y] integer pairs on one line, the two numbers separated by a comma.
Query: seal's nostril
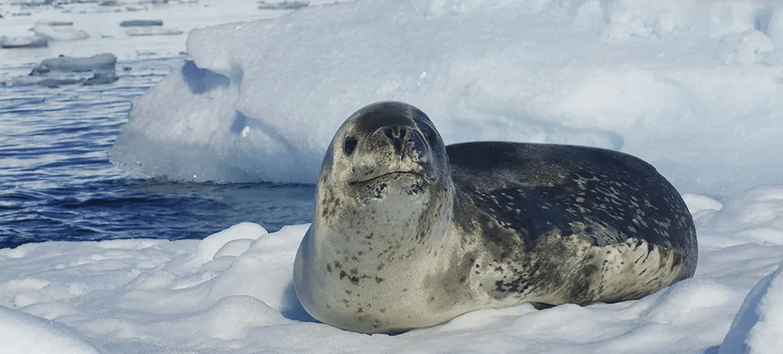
[[388, 133], [396, 132], [349, 145]]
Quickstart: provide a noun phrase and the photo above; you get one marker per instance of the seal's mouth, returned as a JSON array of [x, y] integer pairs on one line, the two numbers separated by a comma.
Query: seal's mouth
[[388, 176]]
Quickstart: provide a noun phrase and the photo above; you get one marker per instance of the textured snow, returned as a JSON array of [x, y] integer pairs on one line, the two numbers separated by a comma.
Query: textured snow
[[233, 293]]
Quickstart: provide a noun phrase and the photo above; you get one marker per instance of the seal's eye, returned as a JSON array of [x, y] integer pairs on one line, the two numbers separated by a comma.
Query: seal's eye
[[349, 144], [430, 134]]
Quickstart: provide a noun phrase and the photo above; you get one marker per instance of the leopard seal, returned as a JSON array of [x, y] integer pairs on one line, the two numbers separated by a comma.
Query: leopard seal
[[408, 232]]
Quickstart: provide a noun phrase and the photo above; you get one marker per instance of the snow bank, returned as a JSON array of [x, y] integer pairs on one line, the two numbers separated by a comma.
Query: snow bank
[[756, 215], [23, 333], [758, 324], [233, 293], [691, 86]]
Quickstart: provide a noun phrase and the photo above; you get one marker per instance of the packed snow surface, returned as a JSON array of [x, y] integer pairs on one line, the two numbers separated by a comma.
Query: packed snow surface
[[694, 87], [232, 292]]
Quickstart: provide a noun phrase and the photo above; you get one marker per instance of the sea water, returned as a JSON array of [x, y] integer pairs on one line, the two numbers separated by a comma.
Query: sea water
[[57, 183]]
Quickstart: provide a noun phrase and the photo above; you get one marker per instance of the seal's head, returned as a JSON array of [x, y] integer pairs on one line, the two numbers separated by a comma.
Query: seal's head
[[383, 203], [386, 148]]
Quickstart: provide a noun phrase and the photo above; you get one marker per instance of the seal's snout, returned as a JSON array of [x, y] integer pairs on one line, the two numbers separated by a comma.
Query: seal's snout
[[403, 141], [396, 135]]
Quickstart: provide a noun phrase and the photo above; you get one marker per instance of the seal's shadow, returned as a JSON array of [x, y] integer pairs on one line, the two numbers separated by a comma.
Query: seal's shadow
[[291, 307]]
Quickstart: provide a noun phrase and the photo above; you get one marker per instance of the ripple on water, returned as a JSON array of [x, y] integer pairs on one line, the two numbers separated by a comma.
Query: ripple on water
[[57, 183]]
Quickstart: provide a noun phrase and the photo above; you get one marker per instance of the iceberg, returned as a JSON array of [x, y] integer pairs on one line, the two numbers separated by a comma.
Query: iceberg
[[275, 90]]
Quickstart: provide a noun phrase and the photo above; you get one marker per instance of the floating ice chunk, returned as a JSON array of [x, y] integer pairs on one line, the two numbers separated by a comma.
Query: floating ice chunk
[[105, 61], [59, 34], [60, 71], [55, 23], [282, 5], [153, 32], [101, 78], [23, 42], [57, 82], [98, 78], [141, 23]]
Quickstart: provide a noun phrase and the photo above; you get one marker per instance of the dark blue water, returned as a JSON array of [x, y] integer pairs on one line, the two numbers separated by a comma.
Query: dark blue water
[[57, 183]]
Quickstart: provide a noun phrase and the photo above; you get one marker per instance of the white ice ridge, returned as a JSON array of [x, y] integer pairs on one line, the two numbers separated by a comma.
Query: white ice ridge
[[693, 87]]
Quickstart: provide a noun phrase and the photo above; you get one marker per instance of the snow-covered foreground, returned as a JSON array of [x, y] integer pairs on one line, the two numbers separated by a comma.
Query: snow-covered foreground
[[232, 293]]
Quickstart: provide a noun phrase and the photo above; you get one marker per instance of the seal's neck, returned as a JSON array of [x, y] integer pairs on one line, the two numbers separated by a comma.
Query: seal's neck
[[396, 229]]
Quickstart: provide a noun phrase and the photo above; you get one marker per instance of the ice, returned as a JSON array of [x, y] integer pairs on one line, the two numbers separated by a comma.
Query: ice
[[56, 33], [758, 324], [60, 71], [650, 78], [102, 23], [141, 23], [105, 61], [232, 292], [23, 42], [153, 32], [282, 5]]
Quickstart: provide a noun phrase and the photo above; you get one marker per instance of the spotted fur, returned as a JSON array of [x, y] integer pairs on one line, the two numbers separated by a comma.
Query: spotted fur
[[410, 233]]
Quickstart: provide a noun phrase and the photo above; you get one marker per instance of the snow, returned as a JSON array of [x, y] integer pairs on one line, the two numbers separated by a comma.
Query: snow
[[232, 292], [23, 333], [692, 86], [757, 326]]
